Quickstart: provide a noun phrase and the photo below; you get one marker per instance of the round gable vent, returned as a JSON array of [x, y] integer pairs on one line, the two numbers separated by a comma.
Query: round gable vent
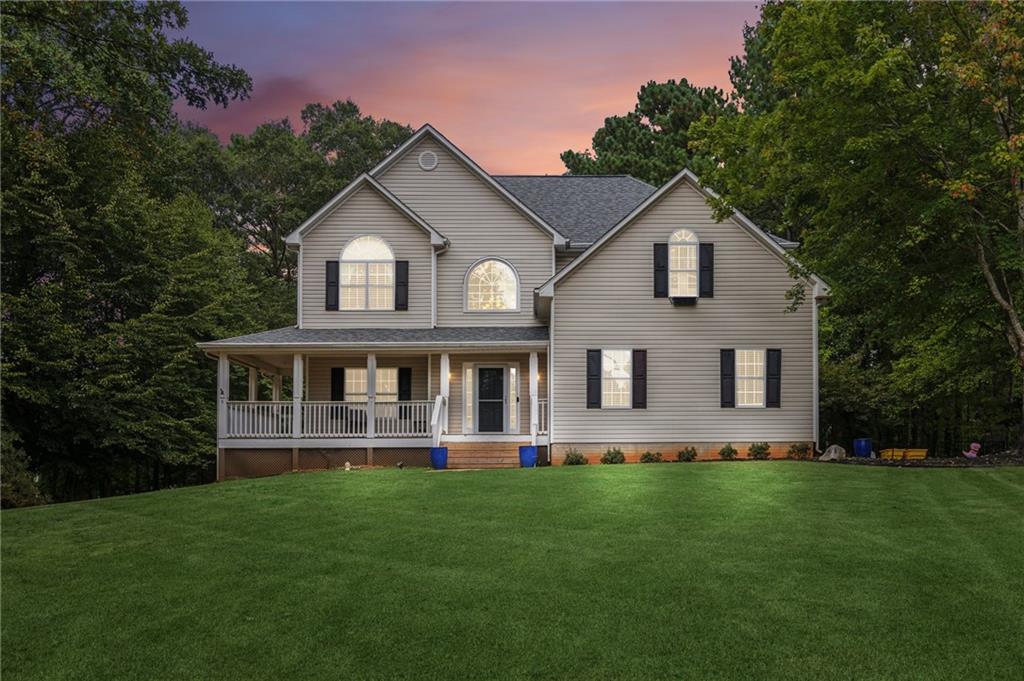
[[428, 160]]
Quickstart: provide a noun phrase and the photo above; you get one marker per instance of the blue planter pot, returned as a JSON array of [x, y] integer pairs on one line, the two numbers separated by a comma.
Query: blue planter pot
[[439, 458], [527, 456], [862, 447]]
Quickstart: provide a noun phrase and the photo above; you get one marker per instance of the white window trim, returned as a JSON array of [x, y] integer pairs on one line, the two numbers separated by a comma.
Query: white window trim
[[736, 377], [696, 260], [629, 400], [366, 286], [465, 288]]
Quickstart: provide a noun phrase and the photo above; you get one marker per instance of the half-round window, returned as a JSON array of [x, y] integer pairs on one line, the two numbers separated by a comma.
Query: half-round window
[[492, 286], [367, 275], [682, 264]]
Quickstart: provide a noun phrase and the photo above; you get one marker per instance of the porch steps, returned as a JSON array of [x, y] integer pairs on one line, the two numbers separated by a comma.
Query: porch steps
[[484, 454]]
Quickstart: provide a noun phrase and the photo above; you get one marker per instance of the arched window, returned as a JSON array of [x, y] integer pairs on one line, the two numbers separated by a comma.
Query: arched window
[[367, 275], [682, 264], [492, 286]]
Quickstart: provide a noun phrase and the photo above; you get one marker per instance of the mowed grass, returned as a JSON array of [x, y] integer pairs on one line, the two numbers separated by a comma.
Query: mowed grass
[[746, 570]]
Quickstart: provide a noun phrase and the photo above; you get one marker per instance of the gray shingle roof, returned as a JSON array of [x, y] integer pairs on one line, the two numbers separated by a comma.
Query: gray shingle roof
[[489, 335], [581, 207]]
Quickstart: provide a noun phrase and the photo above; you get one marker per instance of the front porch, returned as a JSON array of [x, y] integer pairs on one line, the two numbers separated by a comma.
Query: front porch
[[343, 405]]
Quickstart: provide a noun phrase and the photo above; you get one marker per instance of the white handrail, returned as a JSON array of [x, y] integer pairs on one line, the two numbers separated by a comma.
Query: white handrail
[[542, 408], [438, 419]]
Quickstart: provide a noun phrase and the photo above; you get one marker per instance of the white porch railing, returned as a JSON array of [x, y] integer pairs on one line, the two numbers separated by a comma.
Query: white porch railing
[[542, 417], [329, 419], [402, 419], [259, 419], [334, 419]]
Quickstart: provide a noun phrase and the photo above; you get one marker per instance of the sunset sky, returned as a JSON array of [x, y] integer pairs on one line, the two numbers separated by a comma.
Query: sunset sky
[[512, 84]]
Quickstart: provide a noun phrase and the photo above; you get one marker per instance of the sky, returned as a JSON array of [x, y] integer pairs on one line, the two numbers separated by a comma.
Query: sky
[[512, 84]]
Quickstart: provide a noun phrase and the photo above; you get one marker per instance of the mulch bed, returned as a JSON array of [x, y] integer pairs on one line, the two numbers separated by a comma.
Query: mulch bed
[[986, 460]]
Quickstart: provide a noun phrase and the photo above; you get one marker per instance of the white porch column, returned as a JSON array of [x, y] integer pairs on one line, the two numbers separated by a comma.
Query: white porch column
[[298, 376], [445, 370], [254, 383], [275, 395], [223, 394], [533, 399], [371, 394]]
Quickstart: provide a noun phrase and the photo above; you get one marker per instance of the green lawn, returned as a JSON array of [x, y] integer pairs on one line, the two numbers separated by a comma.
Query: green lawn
[[702, 571]]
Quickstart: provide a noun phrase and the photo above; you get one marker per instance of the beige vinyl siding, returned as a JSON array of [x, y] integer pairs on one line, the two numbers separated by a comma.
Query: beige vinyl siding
[[319, 372], [365, 213], [479, 223], [456, 397], [607, 302]]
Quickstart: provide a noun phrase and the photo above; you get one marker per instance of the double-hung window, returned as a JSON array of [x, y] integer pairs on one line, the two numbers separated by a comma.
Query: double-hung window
[[356, 382], [616, 378], [367, 275], [750, 378]]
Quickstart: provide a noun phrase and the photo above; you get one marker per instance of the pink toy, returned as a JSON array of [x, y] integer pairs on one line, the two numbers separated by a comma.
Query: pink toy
[[972, 453]]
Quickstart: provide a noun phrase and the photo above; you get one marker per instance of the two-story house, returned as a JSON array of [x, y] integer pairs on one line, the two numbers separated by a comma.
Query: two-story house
[[440, 305]]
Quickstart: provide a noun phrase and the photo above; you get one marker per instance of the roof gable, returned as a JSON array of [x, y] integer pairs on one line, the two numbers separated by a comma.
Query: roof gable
[[767, 241], [428, 131], [295, 238]]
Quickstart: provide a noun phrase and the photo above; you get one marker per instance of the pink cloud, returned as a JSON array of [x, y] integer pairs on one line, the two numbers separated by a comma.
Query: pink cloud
[[513, 86]]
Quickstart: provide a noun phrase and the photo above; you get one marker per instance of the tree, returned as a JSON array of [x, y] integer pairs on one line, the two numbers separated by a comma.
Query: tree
[[112, 268], [895, 157], [651, 142], [276, 181], [279, 178], [350, 142]]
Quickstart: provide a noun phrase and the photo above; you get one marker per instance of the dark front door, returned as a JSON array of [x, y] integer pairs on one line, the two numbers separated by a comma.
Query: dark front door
[[491, 400]]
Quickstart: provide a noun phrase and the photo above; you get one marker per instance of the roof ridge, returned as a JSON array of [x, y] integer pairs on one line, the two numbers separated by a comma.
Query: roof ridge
[[571, 176]]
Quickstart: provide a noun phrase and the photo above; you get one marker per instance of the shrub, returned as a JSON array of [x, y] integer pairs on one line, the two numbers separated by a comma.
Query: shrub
[[688, 454], [759, 450], [613, 455], [799, 450], [650, 457], [19, 486], [573, 457], [727, 452]]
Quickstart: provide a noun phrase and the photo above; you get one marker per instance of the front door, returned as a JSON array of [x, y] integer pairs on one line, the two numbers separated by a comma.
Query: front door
[[491, 400]]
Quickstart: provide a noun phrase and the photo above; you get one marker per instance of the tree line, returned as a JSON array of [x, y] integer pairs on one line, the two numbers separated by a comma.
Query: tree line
[[886, 138], [129, 235]]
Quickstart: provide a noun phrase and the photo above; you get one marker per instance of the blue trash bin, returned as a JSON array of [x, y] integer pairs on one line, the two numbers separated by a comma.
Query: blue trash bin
[[527, 456], [439, 458], [862, 447]]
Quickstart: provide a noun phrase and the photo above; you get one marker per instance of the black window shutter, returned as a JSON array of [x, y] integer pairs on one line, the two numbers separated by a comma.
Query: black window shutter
[[337, 384], [593, 379], [773, 378], [404, 384], [331, 297], [639, 379], [707, 270], [401, 284], [661, 270], [728, 372]]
